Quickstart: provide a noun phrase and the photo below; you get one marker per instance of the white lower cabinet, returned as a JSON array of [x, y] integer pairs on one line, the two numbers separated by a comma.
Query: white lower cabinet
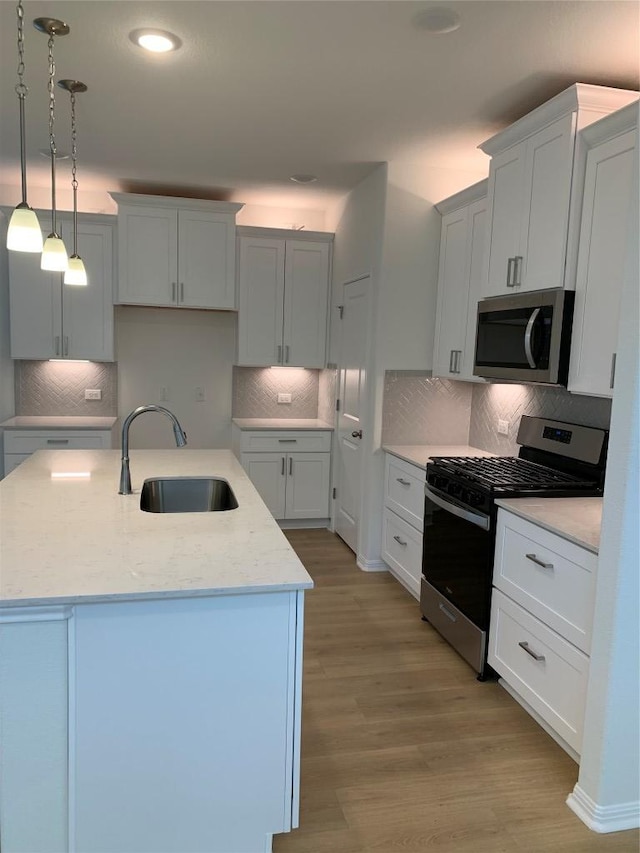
[[541, 616], [19, 444], [163, 726], [290, 470], [402, 521]]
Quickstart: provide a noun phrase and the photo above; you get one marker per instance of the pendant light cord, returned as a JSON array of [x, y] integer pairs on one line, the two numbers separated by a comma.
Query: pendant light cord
[[52, 140], [74, 180], [21, 92]]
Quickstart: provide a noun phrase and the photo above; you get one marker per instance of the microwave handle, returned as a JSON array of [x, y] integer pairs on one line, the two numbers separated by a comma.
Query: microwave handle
[[527, 337]]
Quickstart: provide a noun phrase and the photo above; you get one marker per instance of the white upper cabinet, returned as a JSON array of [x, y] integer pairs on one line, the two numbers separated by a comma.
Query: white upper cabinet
[[535, 194], [176, 252], [283, 285], [603, 250], [49, 319], [462, 243]]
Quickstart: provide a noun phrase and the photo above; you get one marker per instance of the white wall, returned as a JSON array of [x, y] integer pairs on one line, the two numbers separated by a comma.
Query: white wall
[[6, 365], [181, 350]]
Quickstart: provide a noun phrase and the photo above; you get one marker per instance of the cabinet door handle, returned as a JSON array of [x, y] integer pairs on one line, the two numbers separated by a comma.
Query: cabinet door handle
[[182, 291], [57, 441], [291, 466], [613, 370], [403, 482], [457, 361], [510, 265], [517, 270], [286, 354], [173, 292], [65, 350], [279, 359], [525, 645], [400, 541], [282, 469], [57, 344], [538, 561]]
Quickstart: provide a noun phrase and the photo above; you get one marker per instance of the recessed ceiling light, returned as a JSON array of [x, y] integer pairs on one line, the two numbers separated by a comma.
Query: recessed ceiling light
[[303, 179], [155, 41], [437, 19]]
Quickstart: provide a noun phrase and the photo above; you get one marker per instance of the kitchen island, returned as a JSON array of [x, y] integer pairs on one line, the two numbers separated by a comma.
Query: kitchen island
[[150, 674]]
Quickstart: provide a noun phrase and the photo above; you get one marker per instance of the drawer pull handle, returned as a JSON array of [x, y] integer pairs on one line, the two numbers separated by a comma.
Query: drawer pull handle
[[447, 613], [538, 561], [403, 482], [287, 440], [57, 441], [400, 541], [525, 645]]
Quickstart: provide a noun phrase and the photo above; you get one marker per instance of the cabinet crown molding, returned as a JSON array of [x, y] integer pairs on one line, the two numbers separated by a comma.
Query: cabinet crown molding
[[176, 202], [284, 233], [463, 198], [581, 96], [612, 125]]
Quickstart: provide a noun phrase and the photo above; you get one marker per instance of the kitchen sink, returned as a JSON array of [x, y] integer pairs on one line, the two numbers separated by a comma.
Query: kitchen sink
[[187, 494]]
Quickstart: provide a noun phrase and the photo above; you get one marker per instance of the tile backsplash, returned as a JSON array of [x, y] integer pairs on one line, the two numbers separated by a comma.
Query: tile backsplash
[[509, 402], [256, 389], [418, 409], [57, 388]]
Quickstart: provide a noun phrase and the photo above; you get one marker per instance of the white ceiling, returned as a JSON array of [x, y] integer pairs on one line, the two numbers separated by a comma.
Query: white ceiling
[[265, 89]]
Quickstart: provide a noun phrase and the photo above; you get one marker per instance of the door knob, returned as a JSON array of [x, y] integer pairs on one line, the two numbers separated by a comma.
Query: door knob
[[357, 433]]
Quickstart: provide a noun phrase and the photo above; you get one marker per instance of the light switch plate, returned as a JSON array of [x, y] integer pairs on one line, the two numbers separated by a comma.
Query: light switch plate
[[503, 427], [284, 398]]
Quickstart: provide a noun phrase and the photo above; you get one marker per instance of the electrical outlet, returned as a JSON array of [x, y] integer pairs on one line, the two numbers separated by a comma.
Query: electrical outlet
[[92, 394], [199, 395], [284, 398], [503, 427]]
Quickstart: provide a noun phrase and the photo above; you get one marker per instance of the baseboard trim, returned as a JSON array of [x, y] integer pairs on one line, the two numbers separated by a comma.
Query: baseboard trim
[[371, 565], [303, 523], [603, 819]]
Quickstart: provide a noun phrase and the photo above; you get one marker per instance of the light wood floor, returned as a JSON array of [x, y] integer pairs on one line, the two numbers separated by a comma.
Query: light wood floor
[[402, 749]]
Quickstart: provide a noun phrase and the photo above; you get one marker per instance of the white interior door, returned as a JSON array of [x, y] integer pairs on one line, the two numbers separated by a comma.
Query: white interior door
[[351, 377]]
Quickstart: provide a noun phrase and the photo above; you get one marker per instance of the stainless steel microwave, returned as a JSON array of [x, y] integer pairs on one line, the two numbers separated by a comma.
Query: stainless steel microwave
[[525, 337]]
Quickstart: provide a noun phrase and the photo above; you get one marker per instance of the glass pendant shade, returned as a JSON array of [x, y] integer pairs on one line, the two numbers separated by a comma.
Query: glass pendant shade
[[54, 255], [24, 234], [76, 273]]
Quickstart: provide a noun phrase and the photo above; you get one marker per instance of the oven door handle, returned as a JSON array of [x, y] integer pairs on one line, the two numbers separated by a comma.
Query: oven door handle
[[478, 519], [528, 334]]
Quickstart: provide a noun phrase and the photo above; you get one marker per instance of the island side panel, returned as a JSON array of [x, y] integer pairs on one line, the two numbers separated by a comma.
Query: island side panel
[[185, 722], [33, 730]]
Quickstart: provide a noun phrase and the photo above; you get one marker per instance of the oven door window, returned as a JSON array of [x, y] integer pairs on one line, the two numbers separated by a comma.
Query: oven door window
[[457, 561], [517, 338]]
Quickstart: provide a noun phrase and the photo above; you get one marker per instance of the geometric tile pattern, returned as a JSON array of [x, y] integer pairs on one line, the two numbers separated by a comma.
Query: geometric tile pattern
[[327, 395], [509, 402], [57, 388], [256, 389], [418, 409]]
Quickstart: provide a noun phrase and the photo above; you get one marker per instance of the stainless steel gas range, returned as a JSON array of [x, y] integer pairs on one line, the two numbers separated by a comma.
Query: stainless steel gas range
[[556, 459]]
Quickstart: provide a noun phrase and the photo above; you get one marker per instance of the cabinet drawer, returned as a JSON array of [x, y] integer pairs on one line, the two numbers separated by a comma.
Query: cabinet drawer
[[286, 441], [402, 551], [555, 684], [549, 576], [32, 440], [404, 490]]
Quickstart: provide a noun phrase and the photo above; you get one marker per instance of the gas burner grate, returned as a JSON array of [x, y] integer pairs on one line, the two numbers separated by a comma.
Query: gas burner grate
[[507, 472]]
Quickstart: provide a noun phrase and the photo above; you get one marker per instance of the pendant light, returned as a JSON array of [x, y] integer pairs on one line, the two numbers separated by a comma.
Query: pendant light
[[54, 253], [76, 273], [23, 234]]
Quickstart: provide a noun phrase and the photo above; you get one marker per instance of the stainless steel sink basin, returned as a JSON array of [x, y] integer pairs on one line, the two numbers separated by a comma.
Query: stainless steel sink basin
[[187, 494]]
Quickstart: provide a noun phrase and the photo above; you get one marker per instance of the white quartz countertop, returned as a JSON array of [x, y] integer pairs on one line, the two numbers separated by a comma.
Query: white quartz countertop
[[419, 454], [48, 422], [67, 536], [281, 423], [575, 519]]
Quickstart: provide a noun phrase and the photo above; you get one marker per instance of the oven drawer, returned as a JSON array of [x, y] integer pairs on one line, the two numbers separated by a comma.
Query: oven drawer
[[543, 668], [549, 576], [467, 639], [402, 551], [404, 490]]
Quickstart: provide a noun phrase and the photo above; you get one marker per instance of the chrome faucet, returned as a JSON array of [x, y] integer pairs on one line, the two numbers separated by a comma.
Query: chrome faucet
[[179, 433]]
